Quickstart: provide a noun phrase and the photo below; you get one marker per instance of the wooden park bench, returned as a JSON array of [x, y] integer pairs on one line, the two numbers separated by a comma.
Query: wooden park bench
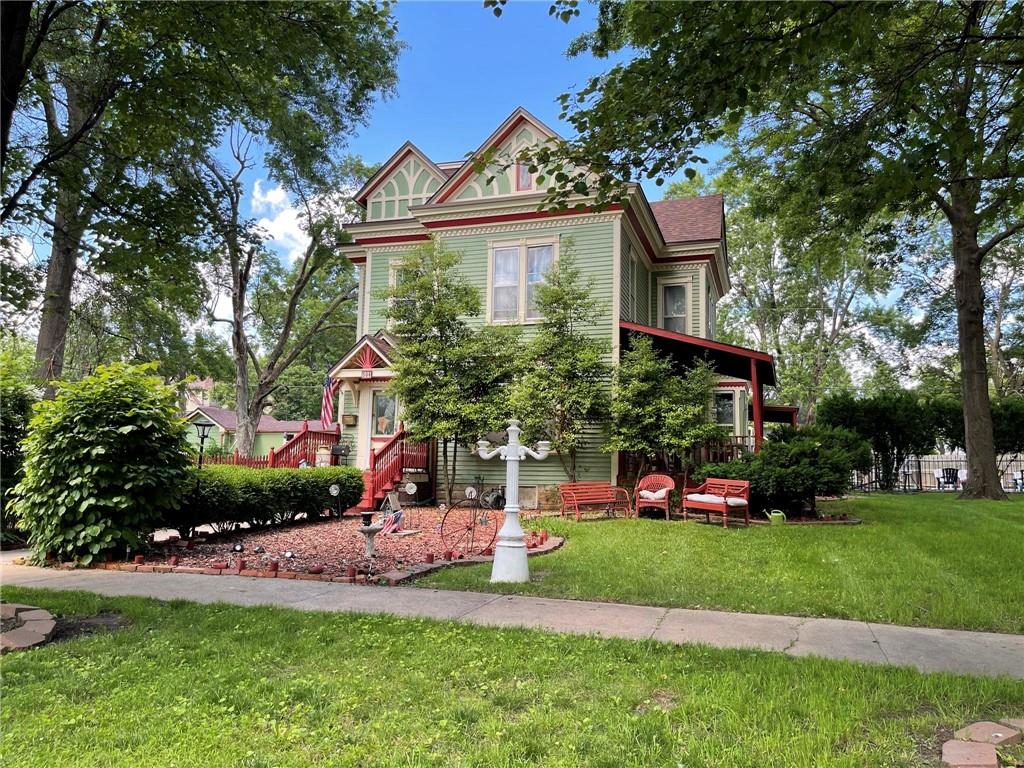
[[717, 495], [595, 495]]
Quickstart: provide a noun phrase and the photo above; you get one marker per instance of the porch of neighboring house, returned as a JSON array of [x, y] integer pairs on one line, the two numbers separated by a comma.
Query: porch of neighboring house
[[738, 406], [371, 426]]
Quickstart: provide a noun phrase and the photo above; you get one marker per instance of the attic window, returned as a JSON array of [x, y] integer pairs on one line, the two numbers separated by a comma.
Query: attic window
[[524, 181]]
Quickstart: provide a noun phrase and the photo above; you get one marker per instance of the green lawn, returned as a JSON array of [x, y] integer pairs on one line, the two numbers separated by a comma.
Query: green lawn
[[189, 685], [926, 559]]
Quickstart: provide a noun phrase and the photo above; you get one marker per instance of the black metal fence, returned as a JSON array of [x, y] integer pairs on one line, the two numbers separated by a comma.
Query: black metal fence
[[947, 472]]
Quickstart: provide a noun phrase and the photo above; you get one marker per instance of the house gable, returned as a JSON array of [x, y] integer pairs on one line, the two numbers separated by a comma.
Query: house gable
[[408, 178], [518, 131]]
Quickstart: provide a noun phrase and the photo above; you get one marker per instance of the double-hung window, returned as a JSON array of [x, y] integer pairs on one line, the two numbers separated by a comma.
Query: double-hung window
[[517, 270], [524, 180], [673, 307], [505, 285]]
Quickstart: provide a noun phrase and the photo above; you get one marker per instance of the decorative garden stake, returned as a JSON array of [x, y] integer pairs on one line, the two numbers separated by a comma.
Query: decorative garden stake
[[510, 553]]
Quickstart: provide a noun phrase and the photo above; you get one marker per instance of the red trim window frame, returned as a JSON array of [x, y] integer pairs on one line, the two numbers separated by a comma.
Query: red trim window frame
[[520, 168]]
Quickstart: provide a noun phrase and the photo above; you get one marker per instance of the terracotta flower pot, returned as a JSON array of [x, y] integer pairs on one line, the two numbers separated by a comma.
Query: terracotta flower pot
[[350, 571], [448, 554], [428, 558], [175, 559], [139, 559], [220, 564], [274, 565], [316, 569], [239, 564], [489, 552]]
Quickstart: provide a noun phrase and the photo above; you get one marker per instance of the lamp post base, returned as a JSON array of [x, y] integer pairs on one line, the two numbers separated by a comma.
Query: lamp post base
[[510, 565]]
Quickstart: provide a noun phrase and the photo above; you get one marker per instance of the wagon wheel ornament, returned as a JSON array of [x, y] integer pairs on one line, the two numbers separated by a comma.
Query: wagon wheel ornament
[[468, 528]]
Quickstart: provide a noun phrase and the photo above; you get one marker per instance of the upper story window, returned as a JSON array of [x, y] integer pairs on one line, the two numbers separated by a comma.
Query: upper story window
[[711, 316], [673, 307], [524, 181], [516, 271]]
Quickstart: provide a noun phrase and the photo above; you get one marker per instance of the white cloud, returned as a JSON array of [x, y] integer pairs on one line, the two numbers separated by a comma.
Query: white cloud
[[267, 201], [282, 222]]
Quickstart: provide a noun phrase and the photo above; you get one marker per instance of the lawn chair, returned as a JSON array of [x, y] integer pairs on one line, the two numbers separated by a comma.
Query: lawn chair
[[653, 492], [961, 478], [946, 478]]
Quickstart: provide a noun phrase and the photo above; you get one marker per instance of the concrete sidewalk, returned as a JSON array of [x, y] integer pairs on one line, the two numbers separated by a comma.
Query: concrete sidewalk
[[929, 650]]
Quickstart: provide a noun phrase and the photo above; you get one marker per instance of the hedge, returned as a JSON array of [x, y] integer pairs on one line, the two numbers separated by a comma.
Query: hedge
[[224, 495]]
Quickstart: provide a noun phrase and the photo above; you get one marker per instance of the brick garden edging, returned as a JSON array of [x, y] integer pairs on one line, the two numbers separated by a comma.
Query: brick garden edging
[[389, 578], [34, 628]]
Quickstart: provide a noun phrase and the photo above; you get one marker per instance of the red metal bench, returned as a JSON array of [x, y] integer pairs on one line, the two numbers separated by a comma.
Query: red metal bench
[[577, 497], [717, 495]]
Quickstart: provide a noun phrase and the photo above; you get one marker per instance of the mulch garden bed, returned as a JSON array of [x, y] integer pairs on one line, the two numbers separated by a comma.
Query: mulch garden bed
[[332, 545]]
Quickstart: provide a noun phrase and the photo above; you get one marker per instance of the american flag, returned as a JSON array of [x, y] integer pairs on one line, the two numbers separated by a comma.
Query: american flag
[[327, 405], [392, 522]]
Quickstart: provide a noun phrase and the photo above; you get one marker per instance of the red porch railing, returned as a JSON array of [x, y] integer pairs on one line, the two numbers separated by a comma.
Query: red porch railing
[[304, 445], [388, 464]]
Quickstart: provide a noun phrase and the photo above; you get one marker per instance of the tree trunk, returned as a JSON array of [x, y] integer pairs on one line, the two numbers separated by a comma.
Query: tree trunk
[[982, 473], [66, 241]]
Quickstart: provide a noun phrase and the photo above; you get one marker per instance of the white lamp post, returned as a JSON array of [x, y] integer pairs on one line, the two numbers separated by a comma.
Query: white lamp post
[[510, 553]]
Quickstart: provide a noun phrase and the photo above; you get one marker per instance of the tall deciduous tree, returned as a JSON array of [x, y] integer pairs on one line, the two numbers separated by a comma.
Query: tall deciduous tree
[[117, 95], [249, 273], [859, 108], [450, 377], [561, 390]]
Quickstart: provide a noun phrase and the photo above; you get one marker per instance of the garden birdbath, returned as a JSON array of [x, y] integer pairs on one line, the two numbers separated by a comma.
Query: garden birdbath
[[369, 531]]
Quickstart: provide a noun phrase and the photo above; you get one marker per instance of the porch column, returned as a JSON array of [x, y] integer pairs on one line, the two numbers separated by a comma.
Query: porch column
[[758, 407]]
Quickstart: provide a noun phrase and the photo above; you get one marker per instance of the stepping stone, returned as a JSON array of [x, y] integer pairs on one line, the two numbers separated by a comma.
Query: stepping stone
[[969, 754], [34, 615], [988, 732], [1013, 722], [10, 610]]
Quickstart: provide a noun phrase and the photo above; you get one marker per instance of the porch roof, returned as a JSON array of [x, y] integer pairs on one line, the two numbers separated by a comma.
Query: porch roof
[[685, 350], [776, 414]]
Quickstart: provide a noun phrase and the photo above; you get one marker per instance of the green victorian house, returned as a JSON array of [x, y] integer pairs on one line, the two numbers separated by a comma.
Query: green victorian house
[[658, 268]]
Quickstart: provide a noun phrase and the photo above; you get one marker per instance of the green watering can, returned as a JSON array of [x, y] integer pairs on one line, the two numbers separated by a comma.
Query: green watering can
[[777, 517]]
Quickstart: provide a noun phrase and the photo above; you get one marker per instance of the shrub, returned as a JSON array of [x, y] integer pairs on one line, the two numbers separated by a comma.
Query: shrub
[[795, 466], [105, 462], [225, 495], [16, 399]]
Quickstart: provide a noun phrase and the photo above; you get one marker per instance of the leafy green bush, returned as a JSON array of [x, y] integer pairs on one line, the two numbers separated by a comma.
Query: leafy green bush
[[105, 463], [16, 399], [222, 495], [795, 466]]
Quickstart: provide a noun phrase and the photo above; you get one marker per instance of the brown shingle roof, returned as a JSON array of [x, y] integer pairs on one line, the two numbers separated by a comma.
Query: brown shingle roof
[[225, 417], [690, 219]]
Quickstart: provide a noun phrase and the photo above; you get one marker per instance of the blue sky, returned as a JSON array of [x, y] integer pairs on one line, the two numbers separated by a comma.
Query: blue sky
[[462, 72]]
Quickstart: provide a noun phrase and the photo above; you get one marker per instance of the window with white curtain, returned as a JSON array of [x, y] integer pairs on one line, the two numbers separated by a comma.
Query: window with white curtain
[[505, 285], [516, 271]]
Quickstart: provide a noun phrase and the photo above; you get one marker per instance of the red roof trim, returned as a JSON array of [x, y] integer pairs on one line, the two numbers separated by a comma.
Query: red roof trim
[[732, 384], [521, 216], [753, 354]]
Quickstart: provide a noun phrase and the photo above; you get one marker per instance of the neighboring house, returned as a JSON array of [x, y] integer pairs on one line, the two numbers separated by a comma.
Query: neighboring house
[[271, 432], [658, 269], [197, 393]]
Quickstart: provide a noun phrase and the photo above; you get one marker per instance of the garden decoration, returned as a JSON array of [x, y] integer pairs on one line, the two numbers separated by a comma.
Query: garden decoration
[[777, 516], [510, 563], [470, 526]]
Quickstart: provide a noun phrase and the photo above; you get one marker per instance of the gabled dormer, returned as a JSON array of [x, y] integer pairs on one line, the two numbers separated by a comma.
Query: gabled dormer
[[519, 131], [408, 178]]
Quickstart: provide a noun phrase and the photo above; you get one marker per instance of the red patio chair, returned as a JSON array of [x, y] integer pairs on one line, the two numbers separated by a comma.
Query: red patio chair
[[653, 491]]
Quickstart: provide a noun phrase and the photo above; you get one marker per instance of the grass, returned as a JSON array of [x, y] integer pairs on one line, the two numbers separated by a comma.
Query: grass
[[188, 685], [928, 560]]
